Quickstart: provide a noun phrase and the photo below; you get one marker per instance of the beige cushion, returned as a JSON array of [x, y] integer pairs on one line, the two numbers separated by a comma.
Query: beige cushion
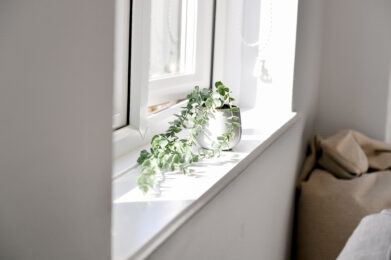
[[330, 209], [336, 192], [346, 154]]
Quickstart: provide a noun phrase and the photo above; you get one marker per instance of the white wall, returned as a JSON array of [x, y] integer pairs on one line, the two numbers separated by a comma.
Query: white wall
[[356, 68], [55, 128], [252, 217]]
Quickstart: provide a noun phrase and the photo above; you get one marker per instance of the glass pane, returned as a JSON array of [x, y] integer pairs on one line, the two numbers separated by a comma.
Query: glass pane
[[173, 28], [165, 37]]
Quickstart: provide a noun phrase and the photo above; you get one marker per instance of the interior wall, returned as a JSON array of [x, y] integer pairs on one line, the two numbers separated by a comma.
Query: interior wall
[[356, 59], [56, 66], [252, 217], [308, 62]]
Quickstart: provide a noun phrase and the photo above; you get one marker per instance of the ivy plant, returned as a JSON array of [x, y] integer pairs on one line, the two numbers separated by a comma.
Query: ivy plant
[[169, 152]]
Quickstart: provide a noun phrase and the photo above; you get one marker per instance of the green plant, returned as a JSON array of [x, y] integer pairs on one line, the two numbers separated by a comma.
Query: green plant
[[170, 152]]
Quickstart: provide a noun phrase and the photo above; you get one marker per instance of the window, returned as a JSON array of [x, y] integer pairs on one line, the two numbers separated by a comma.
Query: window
[[164, 48], [245, 32], [170, 52], [180, 49]]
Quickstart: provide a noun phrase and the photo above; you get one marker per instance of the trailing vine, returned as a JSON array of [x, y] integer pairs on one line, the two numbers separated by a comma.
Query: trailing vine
[[171, 153]]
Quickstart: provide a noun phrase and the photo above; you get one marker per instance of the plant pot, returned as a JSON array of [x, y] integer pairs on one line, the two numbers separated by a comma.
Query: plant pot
[[216, 127]]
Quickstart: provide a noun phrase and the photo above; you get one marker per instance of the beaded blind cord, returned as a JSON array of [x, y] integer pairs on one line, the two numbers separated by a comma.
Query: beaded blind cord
[[260, 68], [170, 62], [172, 65]]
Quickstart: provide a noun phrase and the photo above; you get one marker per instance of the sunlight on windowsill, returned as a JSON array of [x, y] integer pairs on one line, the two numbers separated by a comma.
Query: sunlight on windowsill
[[176, 186]]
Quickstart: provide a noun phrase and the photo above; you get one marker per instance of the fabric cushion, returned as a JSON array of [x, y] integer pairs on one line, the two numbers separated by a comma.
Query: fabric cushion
[[336, 191]]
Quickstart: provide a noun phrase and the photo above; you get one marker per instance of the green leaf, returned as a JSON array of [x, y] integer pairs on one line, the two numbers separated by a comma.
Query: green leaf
[[221, 90], [146, 163], [154, 137], [209, 103], [163, 143], [215, 95], [217, 102], [143, 156], [218, 83], [235, 109]]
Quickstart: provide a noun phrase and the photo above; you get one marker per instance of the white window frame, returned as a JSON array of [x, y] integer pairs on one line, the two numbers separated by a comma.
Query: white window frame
[[142, 126], [121, 53]]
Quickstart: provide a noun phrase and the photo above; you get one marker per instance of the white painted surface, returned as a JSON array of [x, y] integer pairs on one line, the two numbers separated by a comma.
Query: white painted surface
[[228, 53], [141, 222], [56, 78], [121, 68], [251, 218], [274, 62], [308, 62], [354, 88]]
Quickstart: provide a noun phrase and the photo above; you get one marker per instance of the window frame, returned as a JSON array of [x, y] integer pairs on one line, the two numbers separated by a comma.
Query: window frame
[[176, 86], [231, 63], [140, 126], [121, 56]]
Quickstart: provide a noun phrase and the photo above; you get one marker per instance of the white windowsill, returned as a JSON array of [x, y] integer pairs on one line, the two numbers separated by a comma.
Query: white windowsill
[[140, 223]]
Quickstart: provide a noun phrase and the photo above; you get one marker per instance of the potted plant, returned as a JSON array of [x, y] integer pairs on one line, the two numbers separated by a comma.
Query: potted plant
[[219, 123], [209, 118]]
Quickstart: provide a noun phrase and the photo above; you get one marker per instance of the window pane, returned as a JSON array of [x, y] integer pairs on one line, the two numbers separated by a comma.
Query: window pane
[[180, 50], [172, 37]]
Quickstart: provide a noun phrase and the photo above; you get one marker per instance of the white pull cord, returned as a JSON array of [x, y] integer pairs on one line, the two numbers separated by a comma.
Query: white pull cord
[[261, 70]]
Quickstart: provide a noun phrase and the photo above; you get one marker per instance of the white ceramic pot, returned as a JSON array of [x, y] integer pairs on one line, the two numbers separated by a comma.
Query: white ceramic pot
[[216, 127]]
